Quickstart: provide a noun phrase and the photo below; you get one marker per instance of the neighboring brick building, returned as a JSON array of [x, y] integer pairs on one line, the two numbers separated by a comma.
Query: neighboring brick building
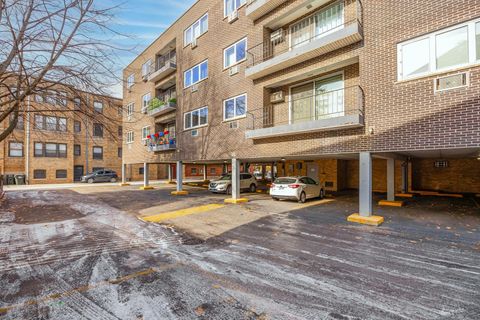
[[310, 85], [56, 142]]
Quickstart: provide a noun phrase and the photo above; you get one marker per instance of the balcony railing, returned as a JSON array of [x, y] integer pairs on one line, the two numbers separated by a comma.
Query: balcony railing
[[161, 71], [329, 110], [162, 109], [161, 143], [338, 26], [162, 147]]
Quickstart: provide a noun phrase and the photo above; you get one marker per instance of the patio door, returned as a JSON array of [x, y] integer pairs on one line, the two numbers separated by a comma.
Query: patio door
[[302, 105], [329, 97]]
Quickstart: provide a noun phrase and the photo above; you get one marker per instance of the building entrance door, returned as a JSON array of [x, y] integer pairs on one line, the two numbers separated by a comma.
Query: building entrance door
[[77, 173], [312, 171]]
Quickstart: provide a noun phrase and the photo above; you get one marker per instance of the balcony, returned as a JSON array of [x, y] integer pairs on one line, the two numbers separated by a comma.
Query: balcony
[[162, 108], [258, 8], [322, 32], [162, 71], [162, 147], [161, 141], [326, 111]]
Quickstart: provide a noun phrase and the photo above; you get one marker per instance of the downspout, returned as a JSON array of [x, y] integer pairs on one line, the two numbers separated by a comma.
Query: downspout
[[27, 143]]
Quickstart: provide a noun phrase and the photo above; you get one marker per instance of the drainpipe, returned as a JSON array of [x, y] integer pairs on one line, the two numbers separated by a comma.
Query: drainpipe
[[27, 143]]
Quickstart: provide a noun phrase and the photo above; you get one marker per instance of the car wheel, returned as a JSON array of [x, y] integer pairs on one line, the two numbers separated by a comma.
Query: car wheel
[[275, 199], [113, 180], [253, 188], [322, 194], [303, 197], [90, 180], [229, 190]]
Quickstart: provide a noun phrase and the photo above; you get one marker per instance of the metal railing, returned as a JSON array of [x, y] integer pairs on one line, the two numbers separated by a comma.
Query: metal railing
[[307, 30], [160, 67], [325, 105]]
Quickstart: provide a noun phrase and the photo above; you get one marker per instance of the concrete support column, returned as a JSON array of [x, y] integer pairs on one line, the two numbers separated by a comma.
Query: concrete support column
[[124, 176], [146, 178], [179, 191], [264, 169], [205, 177], [169, 168], [365, 194], [390, 179], [235, 184]]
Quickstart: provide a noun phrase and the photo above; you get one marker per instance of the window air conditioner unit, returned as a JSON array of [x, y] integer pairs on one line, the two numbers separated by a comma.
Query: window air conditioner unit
[[276, 36], [233, 70], [194, 43], [195, 88], [234, 125], [232, 17], [277, 97], [451, 82]]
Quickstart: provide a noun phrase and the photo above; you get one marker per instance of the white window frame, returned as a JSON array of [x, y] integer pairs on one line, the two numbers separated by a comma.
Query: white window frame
[[17, 143], [192, 30], [243, 2], [472, 58], [130, 109], [146, 102], [95, 104], [145, 133], [235, 107], [130, 137], [130, 80], [146, 68], [191, 119], [235, 52], [185, 86]]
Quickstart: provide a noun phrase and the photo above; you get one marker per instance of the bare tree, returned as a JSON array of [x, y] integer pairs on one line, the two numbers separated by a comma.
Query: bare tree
[[59, 46]]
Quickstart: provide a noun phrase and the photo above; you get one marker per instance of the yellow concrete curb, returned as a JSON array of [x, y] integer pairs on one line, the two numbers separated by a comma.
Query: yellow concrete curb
[[183, 212], [371, 221], [235, 201], [405, 195], [124, 184], [147, 188], [391, 203], [179, 193]]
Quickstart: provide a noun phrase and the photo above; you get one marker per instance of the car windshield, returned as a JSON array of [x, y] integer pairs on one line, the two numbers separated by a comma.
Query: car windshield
[[285, 180], [226, 177]]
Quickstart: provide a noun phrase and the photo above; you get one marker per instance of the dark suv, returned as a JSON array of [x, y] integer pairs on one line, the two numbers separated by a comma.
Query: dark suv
[[100, 176]]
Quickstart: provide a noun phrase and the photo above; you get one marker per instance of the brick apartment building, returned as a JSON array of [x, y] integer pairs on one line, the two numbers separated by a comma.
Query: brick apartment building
[[56, 142], [375, 95]]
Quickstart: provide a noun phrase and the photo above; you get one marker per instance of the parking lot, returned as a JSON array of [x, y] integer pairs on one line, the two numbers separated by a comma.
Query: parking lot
[[87, 253]]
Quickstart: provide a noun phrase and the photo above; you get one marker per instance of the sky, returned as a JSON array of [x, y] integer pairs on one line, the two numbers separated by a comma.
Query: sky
[[143, 21]]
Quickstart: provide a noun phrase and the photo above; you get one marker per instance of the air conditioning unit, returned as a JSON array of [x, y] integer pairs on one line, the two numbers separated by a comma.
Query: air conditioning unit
[[232, 17], [277, 97], [194, 43], [194, 133], [234, 125], [194, 88], [233, 70], [458, 80], [276, 36]]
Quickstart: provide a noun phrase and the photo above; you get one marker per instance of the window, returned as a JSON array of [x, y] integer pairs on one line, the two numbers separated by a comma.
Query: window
[[98, 153], [77, 126], [62, 98], [119, 152], [130, 80], [51, 97], [39, 98], [77, 103], [213, 171], [145, 132], [61, 174], [39, 122], [198, 28], [77, 150], [98, 106], [50, 150], [232, 5], [193, 170], [146, 68], [235, 107], [98, 130], [130, 137], [235, 53], [96, 169], [20, 122], [15, 149], [120, 131], [130, 109], [440, 51], [50, 123], [39, 174], [141, 170], [62, 124], [196, 74], [145, 100], [196, 118]]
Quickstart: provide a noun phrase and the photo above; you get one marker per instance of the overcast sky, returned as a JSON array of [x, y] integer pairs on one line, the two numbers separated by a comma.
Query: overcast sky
[[143, 20]]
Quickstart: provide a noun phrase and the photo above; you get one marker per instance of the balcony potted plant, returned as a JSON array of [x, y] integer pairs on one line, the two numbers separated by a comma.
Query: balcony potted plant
[[172, 102], [155, 103]]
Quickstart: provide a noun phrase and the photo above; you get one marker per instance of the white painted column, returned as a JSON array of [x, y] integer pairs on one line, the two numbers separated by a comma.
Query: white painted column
[[145, 175], [179, 175], [205, 172], [124, 173], [391, 179], [169, 169], [365, 192], [235, 179]]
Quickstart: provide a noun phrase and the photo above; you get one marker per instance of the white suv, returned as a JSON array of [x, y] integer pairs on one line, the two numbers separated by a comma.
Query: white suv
[[224, 184]]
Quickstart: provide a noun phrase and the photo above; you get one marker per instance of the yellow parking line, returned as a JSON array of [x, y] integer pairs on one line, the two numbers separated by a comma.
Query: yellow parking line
[[183, 212]]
